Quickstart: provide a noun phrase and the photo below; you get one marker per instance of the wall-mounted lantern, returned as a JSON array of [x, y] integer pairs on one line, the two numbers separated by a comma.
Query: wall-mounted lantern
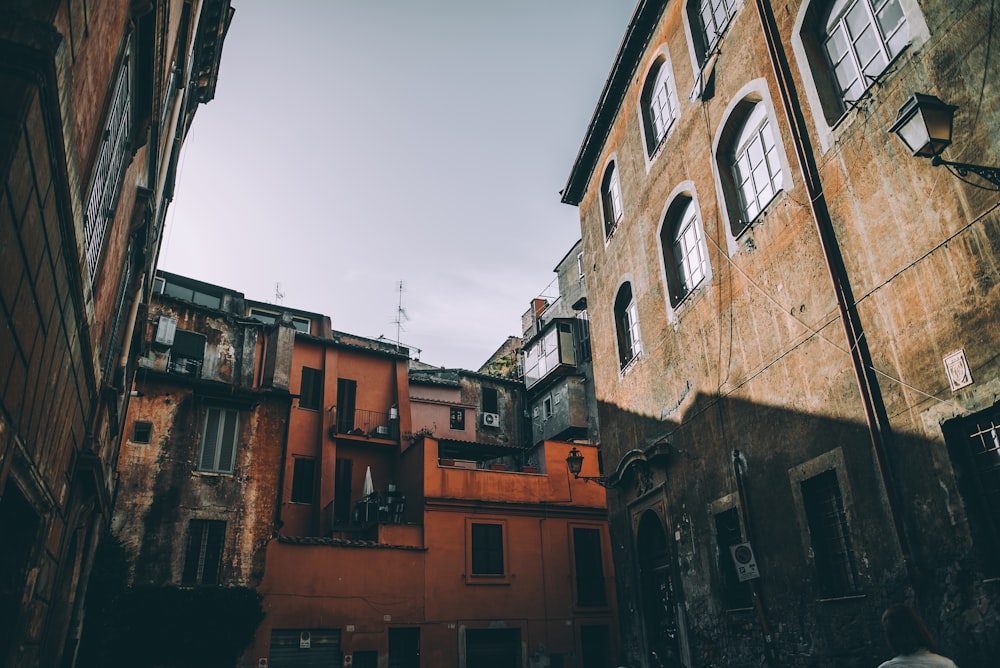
[[924, 124], [574, 460]]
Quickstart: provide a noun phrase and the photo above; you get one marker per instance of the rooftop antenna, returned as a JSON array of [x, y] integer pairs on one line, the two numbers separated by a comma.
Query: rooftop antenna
[[278, 294], [401, 316]]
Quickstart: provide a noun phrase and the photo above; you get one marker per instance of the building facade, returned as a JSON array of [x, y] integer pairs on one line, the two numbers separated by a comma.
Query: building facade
[[95, 102], [793, 324], [269, 453]]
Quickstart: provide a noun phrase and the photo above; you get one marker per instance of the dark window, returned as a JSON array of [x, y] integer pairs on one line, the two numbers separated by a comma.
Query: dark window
[[974, 447], [347, 392], [824, 506], [311, 392], [303, 477], [457, 420], [627, 326], [493, 648], [204, 552], [595, 643], [142, 431], [589, 567], [487, 549], [342, 491], [735, 594], [404, 648], [490, 403], [218, 440], [187, 353]]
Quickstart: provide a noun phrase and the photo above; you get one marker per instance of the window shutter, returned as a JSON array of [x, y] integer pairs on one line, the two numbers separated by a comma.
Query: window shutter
[[210, 442], [213, 552], [230, 431]]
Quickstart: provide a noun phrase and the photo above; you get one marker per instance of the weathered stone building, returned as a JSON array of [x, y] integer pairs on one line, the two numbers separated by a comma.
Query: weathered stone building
[[267, 454], [96, 99], [794, 326]]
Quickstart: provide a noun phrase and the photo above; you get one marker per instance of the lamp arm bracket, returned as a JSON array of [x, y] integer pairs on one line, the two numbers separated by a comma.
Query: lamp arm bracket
[[963, 169]]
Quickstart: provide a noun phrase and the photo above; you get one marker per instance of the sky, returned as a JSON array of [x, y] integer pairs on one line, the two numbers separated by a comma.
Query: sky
[[353, 145]]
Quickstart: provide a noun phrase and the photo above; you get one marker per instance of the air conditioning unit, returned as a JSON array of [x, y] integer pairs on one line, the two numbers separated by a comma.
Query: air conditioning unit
[[382, 430], [491, 420]]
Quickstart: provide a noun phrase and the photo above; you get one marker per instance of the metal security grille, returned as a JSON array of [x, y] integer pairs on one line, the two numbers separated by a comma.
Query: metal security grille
[[831, 543], [111, 161], [305, 648]]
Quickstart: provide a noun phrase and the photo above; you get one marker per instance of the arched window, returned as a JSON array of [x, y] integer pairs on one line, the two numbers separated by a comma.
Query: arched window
[[685, 255], [611, 200], [755, 164], [860, 38], [711, 17], [627, 326], [659, 105]]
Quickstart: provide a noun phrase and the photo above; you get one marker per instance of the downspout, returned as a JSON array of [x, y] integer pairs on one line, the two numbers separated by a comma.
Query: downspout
[[879, 427], [758, 602]]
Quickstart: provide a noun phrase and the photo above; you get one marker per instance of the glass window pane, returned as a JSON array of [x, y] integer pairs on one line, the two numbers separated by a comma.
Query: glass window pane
[[857, 19], [890, 17]]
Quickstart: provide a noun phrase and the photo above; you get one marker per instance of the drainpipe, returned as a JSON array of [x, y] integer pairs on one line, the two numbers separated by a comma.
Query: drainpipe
[[758, 603], [879, 427]]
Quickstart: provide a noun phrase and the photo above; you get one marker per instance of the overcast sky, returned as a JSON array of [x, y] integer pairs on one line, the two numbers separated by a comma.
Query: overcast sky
[[354, 144]]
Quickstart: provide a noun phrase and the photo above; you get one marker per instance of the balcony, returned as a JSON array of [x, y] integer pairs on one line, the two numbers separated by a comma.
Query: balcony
[[364, 423]]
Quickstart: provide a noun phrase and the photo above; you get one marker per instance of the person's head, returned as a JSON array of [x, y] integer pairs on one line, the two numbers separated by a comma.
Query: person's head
[[905, 631]]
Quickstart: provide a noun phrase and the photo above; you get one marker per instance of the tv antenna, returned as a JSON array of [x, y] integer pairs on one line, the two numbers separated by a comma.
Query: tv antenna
[[401, 315], [278, 294]]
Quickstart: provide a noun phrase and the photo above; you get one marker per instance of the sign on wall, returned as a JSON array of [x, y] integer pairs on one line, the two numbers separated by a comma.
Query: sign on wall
[[746, 565]]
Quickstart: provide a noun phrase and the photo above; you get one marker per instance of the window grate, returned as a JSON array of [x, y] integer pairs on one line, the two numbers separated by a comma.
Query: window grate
[[834, 557]]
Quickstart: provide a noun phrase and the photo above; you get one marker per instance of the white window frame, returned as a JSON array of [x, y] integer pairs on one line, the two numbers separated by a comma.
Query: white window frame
[[109, 168], [756, 147], [214, 454], [714, 17], [611, 200], [689, 250], [659, 108], [882, 43], [627, 328]]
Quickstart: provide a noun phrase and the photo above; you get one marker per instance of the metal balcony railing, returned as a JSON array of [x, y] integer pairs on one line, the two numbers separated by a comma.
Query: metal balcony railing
[[361, 422]]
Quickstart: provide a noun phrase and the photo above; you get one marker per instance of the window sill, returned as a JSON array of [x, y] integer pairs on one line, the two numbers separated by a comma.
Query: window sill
[[629, 365], [492, 580], [611, 233]]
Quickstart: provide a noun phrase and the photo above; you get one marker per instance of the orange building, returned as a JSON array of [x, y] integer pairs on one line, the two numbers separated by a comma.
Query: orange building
[[367, 539], [493, 568]]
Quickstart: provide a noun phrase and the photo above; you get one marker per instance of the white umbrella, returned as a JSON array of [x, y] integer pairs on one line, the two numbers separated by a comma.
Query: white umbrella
[[369, 487]]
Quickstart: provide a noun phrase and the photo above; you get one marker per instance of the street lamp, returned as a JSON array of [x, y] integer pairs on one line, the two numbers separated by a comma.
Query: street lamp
[[924, 124], [574, 461]]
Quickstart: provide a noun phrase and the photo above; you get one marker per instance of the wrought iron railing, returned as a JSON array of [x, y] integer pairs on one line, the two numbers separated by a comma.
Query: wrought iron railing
[[362, 422]]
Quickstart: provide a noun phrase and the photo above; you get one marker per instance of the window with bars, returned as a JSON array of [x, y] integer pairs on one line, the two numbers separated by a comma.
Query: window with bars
[[974, 446], [836, 572], [860, 38], [109, 168], [203, 556], [218, 440]]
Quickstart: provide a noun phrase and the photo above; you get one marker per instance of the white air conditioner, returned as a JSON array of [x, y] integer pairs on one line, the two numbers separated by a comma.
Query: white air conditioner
[[491, 420], [166, 327], [382, 430]]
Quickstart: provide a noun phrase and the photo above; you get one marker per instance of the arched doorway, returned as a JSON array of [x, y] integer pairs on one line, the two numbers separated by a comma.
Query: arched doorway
[[659, 594]]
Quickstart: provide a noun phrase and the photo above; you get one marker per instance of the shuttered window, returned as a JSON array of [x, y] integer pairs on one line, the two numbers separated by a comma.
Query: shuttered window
[[218, 440], [203, 556]]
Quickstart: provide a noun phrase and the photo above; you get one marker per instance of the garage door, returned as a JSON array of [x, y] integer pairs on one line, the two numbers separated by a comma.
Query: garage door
[[305, 648]]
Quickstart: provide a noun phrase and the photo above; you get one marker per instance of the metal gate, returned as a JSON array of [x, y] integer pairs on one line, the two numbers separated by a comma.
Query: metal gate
[[305, 648]]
